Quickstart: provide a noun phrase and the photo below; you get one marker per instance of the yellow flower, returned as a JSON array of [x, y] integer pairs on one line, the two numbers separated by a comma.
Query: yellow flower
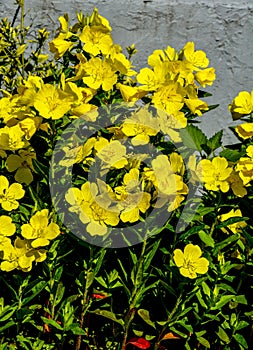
[[214, 174], [60, 44], [149, 79], [205, 77], [7, 228], [96, 41], [132, 199], [15, 257], [245, 131], [99, 21], [111, 153], [170, 122], [171, 189], [196, 105], [237, 226], [99, 73], [51, 102], [21, 256], [12, 138], [39, 230], [169, 98], [190, 262], [237, 185], [159, 56], [244, 167], [130, 93], [141, 125], [93, 210], [23, 164], [10, 194], [197, 58], [242, 104]]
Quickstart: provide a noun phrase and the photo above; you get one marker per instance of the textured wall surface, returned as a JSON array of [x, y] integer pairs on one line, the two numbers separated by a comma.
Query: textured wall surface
[[222, 28]]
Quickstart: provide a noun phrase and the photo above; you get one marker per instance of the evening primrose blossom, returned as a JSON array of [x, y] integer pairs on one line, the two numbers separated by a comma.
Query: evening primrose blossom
[[9, 194], [39, 230], [190, 262]]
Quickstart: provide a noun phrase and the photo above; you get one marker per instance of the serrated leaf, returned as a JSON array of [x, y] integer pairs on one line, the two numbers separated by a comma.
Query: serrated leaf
[[192, 137], [215, 141], [231, 155]]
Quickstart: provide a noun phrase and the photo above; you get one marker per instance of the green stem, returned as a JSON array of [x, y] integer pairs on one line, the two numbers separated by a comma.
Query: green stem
[[22, 26], [168, 320], [135, 294]]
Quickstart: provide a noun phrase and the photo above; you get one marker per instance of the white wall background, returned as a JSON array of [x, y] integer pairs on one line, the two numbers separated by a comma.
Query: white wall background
[[222, 28]]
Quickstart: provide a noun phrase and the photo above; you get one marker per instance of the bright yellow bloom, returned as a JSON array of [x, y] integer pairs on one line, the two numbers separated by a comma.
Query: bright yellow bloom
[[21, 256], [120, 63], [159, 56], [51, 102], [96, 41], [10, 194], [60, 44], [237, 185], [190, 262], [245, 130], [149, 79], [213, 173], [92, 209], [244, 166], [196, 105], [242, 104], [7, 228], [205, 77], [171, 189], [111, 153], [12, 138], [99, 21], [28, 90], [169, 98], [131, 93], [39, 230], [197, 58], [23, 164], [99, 73], [141, 125], [78, 154], [132, 200], [237, 226], [170, 122]]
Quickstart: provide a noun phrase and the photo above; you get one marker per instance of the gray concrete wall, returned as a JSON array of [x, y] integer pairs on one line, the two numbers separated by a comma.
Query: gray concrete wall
[[222, 28]]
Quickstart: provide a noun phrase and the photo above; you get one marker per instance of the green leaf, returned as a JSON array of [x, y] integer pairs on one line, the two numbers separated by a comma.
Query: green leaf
[[207, 239], [231, 155], [108, 314], [233, 238], [76, 329], [204, 342], [144, 314], [215, 141], [7, 325], [223, 335], [51, 322], [241, 340], [34, 292], [193, 137], [223, 301]]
